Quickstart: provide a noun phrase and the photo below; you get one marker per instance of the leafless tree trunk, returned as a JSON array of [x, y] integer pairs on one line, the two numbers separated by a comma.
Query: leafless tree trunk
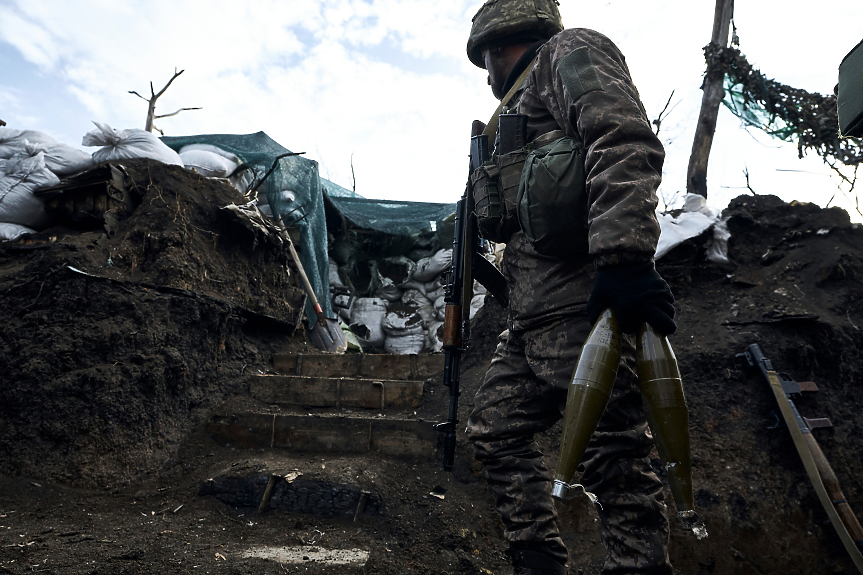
[[696, 177], [151, 104]]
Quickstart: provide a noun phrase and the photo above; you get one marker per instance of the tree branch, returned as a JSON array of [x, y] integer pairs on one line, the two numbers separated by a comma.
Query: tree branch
[[174, 77], [139, 95], [658, 121], [275, 163], [175, 113]]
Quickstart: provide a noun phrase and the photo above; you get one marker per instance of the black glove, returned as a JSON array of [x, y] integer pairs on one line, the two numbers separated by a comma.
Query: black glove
[[637, 293]]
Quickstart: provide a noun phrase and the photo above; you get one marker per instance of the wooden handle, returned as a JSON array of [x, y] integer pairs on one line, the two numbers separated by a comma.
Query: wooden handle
[[831, 484]]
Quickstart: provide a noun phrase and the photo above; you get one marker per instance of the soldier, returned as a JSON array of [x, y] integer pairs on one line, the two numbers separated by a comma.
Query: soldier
[[579, 85]]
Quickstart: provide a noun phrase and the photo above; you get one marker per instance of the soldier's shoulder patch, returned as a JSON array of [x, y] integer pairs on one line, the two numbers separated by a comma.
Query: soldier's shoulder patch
[[578, 73]]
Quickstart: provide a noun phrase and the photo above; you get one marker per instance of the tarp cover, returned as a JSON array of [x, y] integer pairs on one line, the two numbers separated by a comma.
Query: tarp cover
[[306, 212], [392, 217]]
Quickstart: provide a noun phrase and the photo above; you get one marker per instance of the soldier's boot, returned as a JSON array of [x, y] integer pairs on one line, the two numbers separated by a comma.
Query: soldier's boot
[[527, 562]]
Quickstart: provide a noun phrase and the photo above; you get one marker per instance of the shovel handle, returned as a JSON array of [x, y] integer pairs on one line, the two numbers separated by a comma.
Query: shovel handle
[[304, 278]]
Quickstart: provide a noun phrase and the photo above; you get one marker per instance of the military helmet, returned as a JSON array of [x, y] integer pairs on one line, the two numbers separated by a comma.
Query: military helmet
[[515, 20]]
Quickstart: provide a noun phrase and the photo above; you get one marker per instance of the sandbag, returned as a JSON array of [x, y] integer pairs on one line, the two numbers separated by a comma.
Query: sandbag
[[208, 164], [127, 144], [476, 303], [11, 232], [61, 159], [367, 314], [402, 320], [387, 289], [335, 278], [405, 344], [22, 176], [399, 269], [434, 337], [415, 299], [429, 268]]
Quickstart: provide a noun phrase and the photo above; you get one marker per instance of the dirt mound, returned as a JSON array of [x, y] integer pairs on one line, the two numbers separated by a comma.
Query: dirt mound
[[104, 374]]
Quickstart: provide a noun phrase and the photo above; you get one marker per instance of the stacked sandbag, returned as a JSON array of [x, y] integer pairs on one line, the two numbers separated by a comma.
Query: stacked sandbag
[[21, 176], [403, 327], [127, 144], [60, 159], [392, 273], [30, 161], [410, 303], [367, 314]]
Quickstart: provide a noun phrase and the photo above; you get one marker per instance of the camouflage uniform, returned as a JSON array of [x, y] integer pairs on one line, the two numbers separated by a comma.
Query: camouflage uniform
[[579, 84]]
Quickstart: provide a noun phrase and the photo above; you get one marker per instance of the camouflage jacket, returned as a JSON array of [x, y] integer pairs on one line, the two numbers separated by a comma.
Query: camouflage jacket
[[580, 84]]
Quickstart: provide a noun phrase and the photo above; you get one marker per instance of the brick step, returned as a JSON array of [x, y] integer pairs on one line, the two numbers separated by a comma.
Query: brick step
[[347, 392], [364, 365], [400, 438]]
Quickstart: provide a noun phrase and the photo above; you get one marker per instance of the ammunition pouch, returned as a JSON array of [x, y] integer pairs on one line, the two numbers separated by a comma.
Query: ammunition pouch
[[552, 206], [494, 187]]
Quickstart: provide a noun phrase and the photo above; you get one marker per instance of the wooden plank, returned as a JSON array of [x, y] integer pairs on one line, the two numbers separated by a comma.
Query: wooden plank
[[346, 435], [368, 365], [335, 392]]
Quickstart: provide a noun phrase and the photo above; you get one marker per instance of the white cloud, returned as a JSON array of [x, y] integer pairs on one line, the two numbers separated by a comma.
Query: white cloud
[[388, 80]]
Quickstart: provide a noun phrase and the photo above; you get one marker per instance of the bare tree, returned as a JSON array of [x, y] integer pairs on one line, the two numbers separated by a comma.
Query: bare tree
[[696, 177], [151, 108]]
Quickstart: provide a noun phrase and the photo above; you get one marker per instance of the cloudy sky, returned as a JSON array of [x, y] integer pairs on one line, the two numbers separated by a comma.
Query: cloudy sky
[[387, 81]]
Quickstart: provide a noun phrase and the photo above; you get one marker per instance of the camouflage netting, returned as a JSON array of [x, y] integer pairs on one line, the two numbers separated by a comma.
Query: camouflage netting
[[782, 111]]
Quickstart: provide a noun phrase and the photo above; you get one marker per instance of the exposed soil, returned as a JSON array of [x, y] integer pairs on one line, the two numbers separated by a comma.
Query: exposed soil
[[108, 382]]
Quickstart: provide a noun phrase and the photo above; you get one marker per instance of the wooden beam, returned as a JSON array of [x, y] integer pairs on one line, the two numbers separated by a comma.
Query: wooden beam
[[696, 176], [303, 434], [335, 392], [366, 365]]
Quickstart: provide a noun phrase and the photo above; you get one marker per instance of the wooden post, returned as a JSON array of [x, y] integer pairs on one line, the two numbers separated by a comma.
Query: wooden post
[[696, 176]]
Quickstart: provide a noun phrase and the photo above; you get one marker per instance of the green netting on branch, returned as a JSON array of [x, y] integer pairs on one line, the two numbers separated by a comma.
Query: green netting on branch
[[782, 111]]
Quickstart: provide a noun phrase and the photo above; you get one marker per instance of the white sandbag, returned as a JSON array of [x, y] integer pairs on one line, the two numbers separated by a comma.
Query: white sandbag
[[476, 303], [436, 294], [399, 269], [414, 285], [415, 299], [62, 159], [717, 250], [388, 290], [208, 164], [22, 176], [434, 337], [440, 302], [402, 320], [675, 231], [405, 344], [127, 144], [11, 232], [213, 150], [428, 268], [335, 278], [440, 308], [365, 322], [697, 203]]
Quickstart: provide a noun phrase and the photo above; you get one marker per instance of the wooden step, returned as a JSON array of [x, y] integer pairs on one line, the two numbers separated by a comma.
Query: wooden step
[[335, 392], [327, 434], [368, 365]]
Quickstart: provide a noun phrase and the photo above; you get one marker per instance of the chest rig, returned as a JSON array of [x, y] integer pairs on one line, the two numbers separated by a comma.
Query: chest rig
[[538, 186]]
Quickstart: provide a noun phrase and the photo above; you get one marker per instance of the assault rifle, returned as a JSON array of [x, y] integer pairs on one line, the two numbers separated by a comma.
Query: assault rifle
[[467, 264], [817, 467]]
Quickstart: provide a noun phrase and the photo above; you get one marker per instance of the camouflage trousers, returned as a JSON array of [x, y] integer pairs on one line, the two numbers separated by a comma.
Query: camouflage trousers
[[524, 393]]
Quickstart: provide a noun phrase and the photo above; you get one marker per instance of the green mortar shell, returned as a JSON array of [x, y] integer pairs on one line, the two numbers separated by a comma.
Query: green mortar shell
[[666, 411], [589, 392]]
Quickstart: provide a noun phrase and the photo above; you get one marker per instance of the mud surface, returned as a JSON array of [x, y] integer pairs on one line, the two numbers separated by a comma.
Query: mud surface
[[107, 384]]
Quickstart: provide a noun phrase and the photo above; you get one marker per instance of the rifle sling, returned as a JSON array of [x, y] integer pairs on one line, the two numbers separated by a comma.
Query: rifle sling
[[491, 127], [812, 470]]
